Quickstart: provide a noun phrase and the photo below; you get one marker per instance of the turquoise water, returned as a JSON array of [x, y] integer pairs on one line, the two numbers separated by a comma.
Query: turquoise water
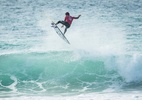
[[102, 62]]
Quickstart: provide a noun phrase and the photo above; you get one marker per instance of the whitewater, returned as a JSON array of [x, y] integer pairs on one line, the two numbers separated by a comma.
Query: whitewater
[[103, 61]]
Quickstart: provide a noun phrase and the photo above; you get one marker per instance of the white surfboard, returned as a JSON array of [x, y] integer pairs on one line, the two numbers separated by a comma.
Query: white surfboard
[[59, 32]]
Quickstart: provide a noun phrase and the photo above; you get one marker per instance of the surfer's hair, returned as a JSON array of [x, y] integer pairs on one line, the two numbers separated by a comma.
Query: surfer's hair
[[67, 13]]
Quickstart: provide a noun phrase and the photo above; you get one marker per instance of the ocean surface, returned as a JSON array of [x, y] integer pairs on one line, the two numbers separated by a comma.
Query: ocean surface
[[103, 61]]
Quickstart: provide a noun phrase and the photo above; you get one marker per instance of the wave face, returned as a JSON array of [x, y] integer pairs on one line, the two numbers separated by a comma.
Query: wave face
[[67, 72], [105, 52]]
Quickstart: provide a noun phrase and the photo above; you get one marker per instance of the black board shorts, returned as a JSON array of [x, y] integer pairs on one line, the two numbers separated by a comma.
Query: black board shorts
[[64, 23]]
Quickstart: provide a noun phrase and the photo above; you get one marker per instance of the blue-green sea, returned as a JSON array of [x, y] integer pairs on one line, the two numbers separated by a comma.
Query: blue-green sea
[[103, 61]]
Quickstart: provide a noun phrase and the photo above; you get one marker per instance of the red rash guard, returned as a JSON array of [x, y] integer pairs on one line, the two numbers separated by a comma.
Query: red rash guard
[[69, 19]]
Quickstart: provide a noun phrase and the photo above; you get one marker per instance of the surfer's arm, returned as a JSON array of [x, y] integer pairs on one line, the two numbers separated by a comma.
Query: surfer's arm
[[76, 17]]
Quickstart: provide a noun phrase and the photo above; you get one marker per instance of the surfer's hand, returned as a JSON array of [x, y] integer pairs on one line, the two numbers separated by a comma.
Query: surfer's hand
[[79, 16]]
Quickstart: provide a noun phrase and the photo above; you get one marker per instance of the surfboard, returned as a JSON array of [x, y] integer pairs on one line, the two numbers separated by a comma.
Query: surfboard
[[60, 33]]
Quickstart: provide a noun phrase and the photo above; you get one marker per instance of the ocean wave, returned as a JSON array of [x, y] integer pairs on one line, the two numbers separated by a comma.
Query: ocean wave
[[68, 72]]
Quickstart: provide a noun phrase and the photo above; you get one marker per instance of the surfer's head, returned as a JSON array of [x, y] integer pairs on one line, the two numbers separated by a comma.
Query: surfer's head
[[67, 13]]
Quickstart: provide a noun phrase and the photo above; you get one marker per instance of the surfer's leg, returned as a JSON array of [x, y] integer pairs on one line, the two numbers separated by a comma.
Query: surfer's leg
[[57, 23], [65, 30], [62, 22]]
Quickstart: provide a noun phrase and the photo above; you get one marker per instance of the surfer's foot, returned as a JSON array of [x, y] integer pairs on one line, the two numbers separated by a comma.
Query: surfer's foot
[[52, 23]]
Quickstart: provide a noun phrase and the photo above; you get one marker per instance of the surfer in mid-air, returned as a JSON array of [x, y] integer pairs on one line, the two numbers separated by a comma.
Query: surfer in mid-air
[[67, 21]]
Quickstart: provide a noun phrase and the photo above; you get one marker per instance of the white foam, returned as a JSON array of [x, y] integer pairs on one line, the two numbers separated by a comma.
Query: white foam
[[130, 67], [13, 85], [91, 96]]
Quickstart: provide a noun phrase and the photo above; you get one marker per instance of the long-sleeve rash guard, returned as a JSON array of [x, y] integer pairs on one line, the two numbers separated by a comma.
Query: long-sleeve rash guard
[[69, 19]]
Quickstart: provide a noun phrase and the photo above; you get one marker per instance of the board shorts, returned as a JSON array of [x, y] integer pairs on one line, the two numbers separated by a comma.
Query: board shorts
[[64, 23]]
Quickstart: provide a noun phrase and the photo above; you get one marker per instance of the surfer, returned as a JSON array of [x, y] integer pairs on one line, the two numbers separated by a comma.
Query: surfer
[[67, 21]]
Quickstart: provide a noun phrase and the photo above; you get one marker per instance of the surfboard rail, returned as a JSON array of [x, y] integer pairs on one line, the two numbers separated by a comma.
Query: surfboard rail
[[59, 32]]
